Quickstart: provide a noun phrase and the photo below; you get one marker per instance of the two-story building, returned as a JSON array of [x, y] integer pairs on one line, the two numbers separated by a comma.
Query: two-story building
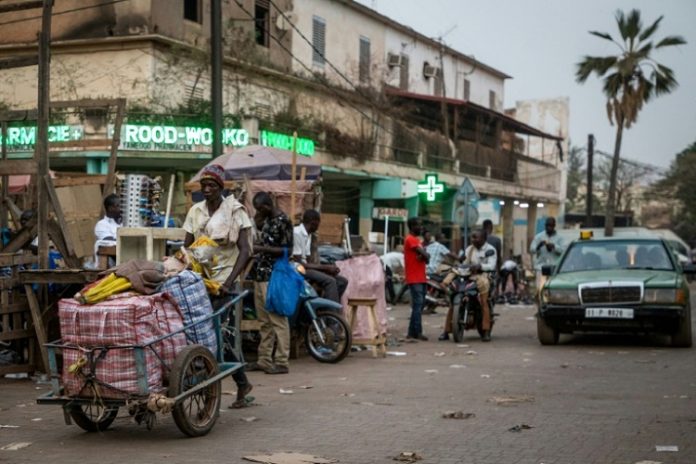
[[378, 104]]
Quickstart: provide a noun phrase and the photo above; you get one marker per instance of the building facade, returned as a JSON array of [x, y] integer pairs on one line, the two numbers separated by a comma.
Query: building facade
[[378, 104]]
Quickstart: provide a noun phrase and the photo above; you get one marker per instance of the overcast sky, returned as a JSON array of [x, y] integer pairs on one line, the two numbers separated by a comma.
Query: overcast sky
[[538, 42]]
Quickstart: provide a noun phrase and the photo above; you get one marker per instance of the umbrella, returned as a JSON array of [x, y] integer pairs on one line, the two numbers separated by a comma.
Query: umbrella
[[263, 163]]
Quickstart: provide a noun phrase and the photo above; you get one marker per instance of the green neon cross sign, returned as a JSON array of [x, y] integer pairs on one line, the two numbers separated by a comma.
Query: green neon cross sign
[[431, 187]]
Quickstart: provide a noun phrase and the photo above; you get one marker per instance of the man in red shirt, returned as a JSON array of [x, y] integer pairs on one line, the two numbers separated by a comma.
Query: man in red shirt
[[415, 260]]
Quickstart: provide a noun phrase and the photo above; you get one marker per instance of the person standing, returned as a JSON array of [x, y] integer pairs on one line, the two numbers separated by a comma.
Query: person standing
[[275, 238], [224, 220], [546, 248], [494, 241], [415, 259], [106, 229], [325, 275]]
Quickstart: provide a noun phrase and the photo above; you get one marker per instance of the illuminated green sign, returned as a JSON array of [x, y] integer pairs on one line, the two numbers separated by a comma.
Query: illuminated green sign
[[24, 138], [284, 142], [431, 187], [173, 138]]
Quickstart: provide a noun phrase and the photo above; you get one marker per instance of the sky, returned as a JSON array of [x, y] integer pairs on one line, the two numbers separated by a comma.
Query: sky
[[538, 43]]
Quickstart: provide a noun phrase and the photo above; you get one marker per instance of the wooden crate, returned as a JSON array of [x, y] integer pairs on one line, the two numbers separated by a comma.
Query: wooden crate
[[16, 325], [331, 228]]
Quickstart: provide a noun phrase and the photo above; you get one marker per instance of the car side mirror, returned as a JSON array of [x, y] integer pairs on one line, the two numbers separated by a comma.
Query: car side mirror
[[547, 270], [689, 268], [489, 253]]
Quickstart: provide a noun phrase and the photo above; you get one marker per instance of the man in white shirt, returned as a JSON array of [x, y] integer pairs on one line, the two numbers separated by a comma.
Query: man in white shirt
[[325, 275], [482, 258], [105, 230]]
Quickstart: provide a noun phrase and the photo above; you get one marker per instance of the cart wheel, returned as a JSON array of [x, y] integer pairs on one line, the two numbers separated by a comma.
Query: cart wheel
[[93, 417], [195, 415]]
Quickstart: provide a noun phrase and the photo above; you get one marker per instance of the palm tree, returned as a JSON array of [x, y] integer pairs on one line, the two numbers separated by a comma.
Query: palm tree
[[631, 79]]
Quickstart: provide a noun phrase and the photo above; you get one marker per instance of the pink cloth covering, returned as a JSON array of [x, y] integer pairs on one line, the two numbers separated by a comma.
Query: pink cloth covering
[[125, 319], [365, 276]]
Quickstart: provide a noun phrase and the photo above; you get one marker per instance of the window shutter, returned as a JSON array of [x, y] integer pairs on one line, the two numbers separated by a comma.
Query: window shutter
[[467, 89], [491, 99], [318, 40], [364, 60]]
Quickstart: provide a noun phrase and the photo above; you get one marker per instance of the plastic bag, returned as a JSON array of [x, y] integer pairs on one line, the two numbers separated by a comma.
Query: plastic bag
[[284, 288]]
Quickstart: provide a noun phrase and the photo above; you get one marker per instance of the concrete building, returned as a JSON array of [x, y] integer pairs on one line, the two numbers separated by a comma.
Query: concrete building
[[378, 104]]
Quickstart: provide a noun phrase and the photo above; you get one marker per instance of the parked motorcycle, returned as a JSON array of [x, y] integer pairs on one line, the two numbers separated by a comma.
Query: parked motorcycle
[[318, 321], [467, 310], [326, 333]]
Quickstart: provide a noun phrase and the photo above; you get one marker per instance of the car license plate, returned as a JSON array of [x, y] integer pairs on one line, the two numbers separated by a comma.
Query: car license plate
[[609, 313]]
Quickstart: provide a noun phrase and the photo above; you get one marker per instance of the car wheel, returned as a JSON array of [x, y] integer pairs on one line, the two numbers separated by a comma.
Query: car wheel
[[682, 337], [547, 335]]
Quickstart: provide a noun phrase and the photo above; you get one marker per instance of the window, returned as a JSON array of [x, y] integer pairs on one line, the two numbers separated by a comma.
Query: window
[[467, 89], [492, 100], [318, 40], [193, 11], [262, 21], [364, 60], [403, 74]]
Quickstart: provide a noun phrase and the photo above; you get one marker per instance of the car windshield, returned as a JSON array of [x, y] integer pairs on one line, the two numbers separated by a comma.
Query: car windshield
[[616, 254]]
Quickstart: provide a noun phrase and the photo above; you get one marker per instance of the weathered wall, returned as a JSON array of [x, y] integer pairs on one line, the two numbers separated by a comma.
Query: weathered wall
[[344, 27], [109, 74], [455, 71]]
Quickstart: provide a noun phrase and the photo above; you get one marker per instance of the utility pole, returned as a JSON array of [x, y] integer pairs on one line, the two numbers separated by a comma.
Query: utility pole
[[216, 74], [443, 101], [41, 147], [590, 156]]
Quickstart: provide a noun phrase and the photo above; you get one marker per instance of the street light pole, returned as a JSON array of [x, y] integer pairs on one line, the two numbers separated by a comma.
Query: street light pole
[[216, 74]]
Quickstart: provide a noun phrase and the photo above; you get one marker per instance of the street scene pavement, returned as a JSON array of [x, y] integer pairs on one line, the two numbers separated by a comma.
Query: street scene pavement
[[592, 399]]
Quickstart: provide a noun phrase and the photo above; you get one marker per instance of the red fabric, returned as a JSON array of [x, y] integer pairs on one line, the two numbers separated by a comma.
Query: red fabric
[[126, 319], [415, 268]]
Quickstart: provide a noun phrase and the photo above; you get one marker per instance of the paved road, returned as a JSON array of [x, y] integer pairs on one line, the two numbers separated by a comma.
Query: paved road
[[593, 399]]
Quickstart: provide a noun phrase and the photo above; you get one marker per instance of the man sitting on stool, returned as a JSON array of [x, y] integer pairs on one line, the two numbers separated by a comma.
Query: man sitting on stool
[[324, 275]]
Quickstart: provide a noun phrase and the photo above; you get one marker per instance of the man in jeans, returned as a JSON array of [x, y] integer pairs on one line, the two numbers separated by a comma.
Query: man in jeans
[[275, 230], [415, 260]]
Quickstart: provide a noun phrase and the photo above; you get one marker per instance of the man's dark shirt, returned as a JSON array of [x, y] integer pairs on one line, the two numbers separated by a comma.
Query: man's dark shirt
[[276, 232], [496, 243]]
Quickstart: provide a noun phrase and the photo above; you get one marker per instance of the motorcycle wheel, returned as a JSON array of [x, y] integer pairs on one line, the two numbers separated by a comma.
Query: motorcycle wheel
[[458, 320], [337, 336]]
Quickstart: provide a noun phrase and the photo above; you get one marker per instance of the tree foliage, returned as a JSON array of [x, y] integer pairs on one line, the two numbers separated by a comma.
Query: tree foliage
[[678, 186], [630, 78]]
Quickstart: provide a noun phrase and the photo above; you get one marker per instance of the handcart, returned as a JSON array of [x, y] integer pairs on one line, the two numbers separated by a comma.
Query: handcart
[[193, 391]]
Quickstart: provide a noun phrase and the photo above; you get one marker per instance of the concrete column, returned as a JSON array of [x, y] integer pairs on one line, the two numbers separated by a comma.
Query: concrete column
[[531, 222], [367, 203], [449, 204], [508, 228], [413, 206]]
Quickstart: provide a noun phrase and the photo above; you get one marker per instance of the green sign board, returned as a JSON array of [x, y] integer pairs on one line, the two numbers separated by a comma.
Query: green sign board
[[158, 138], [283, 141], [24, 138], [431, 186], [173, 138]]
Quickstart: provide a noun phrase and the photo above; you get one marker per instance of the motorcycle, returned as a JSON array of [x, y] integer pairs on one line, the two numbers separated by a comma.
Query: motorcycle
[[318, 321], [436, 293], [467, 310], [326, 333]]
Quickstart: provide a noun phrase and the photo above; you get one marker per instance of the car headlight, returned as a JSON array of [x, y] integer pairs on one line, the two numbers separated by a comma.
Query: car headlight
[[565, 296], [665, 295]]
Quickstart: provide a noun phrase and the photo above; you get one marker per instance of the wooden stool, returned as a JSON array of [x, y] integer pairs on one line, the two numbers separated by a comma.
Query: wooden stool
[[378, 341]]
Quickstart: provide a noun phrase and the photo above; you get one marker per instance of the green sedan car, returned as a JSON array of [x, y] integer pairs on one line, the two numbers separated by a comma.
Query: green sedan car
[[616, 284]]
